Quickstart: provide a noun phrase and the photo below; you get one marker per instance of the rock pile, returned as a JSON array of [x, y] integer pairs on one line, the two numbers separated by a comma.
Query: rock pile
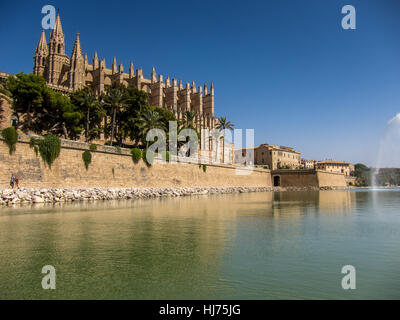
[[29, 195]]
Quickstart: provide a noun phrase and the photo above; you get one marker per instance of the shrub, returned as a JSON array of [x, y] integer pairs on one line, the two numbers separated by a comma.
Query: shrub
[[93, 147], [148, 157], [136, 154], [34, 143], [204, 168], [87, 158], [49, 148], [10, 137]]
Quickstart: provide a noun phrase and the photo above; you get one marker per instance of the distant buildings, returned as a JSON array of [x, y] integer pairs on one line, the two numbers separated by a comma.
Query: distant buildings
[[335, 166], [308, 164], [274, 157], [270, 156]]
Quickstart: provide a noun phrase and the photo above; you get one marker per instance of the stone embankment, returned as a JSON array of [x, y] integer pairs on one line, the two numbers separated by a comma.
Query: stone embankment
[[29, 195]]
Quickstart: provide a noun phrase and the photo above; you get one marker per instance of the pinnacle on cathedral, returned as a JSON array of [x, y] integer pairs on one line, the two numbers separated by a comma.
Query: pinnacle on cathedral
[[42, 45], [131, 70], [114, 65], [57, 30], [56, 43], [77, 50]]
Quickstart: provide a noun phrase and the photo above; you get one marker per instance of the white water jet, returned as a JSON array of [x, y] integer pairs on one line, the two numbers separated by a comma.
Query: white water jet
[[389, 148]]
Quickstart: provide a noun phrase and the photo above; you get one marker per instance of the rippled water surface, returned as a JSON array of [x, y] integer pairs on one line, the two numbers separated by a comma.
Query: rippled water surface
[[289, 245]]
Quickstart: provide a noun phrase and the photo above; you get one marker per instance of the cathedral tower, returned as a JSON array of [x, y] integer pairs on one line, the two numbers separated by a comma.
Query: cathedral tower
[[77, 68], [41, 54], [57, 56]]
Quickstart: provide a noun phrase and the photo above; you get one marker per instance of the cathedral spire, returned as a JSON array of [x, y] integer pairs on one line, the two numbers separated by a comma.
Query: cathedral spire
[[153, 75], [77, 50], [41, 54], [131, 71], [42, 45], [56, 43], [77, 71], [114, 65], [95, 61], [57, 30]]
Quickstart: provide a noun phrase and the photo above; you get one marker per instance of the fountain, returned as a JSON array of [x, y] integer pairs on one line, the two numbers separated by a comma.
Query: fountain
[[389, 148]]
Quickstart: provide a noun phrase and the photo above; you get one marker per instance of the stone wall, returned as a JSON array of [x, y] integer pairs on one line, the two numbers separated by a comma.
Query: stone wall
[[296, 178], [331, 179], [309, 178], [110, 169], [6, 115]]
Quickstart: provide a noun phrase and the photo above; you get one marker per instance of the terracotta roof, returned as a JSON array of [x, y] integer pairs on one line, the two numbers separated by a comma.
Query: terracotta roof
[[332, 162]]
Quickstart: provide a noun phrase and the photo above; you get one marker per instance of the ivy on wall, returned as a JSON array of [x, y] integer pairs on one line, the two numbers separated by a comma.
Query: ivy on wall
[[10, 137], [87, 158], [49, 148]]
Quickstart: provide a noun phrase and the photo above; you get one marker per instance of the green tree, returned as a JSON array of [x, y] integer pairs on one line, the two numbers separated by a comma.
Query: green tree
[[115, 99], [223, 125], [137, 102], [27, 91], [362, 174], [188, 120], [149, 119], [5, 94], [56, 114], [89, 104]]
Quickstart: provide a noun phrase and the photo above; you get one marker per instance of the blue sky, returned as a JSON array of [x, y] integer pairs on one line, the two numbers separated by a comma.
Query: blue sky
[[285, 68]]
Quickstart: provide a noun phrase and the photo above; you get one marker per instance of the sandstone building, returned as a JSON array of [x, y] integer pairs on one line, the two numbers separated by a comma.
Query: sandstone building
[[308, 164], [65, 74], [335, 166], [271, 156]]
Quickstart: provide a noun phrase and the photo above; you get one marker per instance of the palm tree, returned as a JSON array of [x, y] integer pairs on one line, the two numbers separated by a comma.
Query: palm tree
[[188, 119], [89, 101], [149, 119], [115, 99], [223, 125]]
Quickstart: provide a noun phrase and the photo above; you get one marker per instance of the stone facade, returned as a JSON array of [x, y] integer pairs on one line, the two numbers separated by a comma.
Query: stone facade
[[308, 164], [307, 178], [271, 156], [66, 74], [335, 166]]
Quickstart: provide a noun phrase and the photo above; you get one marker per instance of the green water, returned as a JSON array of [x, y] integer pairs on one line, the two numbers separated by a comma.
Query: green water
[[289, 245]]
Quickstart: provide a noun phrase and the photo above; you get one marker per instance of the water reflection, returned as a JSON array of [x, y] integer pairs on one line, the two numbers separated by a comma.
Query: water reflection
[[253, 245]]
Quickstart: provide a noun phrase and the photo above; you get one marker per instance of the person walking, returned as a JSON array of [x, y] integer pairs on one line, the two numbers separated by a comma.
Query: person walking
[[16, 180], [12, 181]]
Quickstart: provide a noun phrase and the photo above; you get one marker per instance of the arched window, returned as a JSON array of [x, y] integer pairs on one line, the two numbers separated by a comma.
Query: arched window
[[59, 48]]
